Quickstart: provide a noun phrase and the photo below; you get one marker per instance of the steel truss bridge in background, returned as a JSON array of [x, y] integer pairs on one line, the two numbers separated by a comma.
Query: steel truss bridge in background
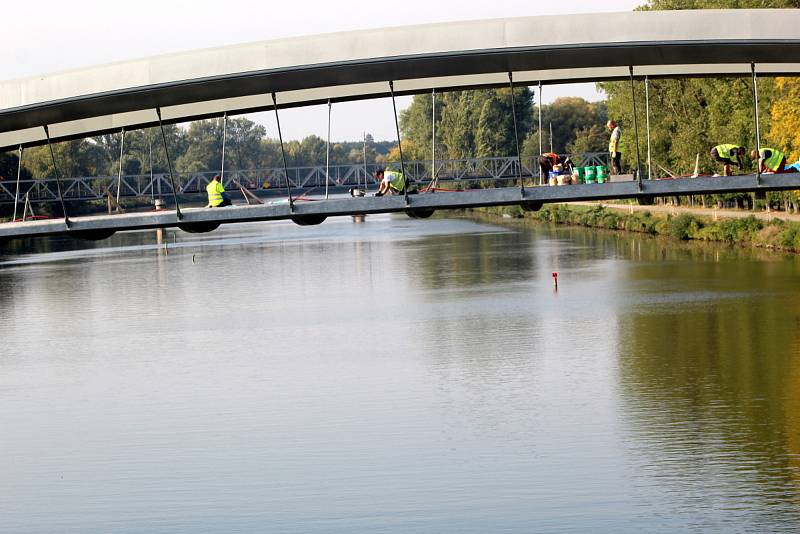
[[273, 179]]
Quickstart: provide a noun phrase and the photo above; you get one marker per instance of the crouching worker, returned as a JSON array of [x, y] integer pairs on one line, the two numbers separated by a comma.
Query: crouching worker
[[391, 183], [770, 160], [217, 197], [728, 155]]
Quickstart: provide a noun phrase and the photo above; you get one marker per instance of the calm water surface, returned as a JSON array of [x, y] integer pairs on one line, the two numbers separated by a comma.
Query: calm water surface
[[398, 376]]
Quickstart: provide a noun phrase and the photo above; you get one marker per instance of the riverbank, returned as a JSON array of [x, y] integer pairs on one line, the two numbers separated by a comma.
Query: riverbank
[[765, 231]]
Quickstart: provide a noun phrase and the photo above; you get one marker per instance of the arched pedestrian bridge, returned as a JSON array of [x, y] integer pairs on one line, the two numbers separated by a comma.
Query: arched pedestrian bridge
[[273, 75]]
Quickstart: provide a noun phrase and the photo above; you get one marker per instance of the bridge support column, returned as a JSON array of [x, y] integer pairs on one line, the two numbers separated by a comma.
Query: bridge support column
[[399, 144], [16, 189], [283, 154], [169, 165], [516, 135], [58, 176]]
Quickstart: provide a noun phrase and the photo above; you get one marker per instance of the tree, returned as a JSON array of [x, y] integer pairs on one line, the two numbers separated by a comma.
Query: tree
[[784, 132], [573, 118]]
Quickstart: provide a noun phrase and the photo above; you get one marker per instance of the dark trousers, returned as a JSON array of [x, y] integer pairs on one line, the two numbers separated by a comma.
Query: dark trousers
[[616, 164], [545, 165]]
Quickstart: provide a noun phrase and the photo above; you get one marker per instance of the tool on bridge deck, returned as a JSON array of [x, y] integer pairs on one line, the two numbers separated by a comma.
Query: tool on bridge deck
[[169, 165], [283, 154], [112, 203], [58, 176], [516, 135]]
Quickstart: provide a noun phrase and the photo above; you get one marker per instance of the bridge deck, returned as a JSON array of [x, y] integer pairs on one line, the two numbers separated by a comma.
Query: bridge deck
[[371, 205]]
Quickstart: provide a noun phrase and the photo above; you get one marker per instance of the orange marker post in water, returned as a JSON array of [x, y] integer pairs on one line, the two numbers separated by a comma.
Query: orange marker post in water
[[555, 280]]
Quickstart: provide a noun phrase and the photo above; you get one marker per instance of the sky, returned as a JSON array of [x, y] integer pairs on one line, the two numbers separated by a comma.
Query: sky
[[80, 33]]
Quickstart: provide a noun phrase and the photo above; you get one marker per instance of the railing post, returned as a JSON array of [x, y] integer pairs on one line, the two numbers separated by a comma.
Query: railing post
[[399, 144], [636, 132], [757, 124], [283, 153], [366, 187], [516, 134], [16, 190], [121, 153], [169, 166], [328, 152], [58, 176]]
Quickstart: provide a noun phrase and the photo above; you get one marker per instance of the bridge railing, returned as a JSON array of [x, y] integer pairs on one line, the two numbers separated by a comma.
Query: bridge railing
[[495, 171]]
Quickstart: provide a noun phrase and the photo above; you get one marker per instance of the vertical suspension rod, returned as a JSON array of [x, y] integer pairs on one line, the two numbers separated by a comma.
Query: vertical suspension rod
[[366, 187], [58, 176], [121, 153], [433, 140], [16, 190], [541, 144], [647, 111], [757, 124], [283, 153], [224, 143], [169, 166], [328, 152], [516, 133], [636, 131], [399, 143]]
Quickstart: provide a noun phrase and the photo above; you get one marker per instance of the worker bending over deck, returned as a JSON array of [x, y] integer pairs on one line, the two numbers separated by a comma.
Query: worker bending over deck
[[391, 183], [726, 154], [613, 147], [770, 160], [549, 160], [217, 197]]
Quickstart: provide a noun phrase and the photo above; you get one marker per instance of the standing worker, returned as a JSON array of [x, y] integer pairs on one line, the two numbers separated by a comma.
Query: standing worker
[[391, 182], [217, 197], [613, 147], [770, 160], [726, 154]]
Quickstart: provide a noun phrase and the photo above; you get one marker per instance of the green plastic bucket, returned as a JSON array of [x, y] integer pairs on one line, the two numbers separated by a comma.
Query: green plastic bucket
[[589, 174], [602, 174], [581, 175]]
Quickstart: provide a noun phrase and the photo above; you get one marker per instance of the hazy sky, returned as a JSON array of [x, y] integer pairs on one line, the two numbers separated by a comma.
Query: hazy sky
[[51, 35]]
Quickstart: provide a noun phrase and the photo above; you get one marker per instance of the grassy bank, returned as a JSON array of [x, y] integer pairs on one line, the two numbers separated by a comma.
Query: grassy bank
[[751, 232]]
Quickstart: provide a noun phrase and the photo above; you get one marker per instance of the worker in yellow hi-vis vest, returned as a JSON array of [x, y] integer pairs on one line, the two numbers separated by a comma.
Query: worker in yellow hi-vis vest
[[726, 154], [770, 160], [613, 146], [217, 197], [392, 183]]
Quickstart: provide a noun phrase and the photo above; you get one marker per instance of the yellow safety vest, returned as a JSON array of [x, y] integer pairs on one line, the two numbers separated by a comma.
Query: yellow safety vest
[[396, 180], [613, 142], [215, 190], [724, 151], [774, 161]]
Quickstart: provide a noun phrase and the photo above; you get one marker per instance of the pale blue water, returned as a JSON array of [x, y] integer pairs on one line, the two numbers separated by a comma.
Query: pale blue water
[[398, 376]]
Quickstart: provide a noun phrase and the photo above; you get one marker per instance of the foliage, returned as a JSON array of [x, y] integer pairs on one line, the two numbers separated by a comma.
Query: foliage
[[468, 123], [785, 115], [578, 126]]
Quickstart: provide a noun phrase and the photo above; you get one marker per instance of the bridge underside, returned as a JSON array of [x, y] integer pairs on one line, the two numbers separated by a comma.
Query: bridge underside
[[315, 211]]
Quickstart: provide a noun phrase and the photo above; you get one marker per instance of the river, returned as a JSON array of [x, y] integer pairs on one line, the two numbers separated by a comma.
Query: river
[[398, 376]]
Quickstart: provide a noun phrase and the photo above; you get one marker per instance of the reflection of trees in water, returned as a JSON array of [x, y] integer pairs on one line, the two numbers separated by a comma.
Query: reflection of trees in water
[[711, 383], [469, 260]]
